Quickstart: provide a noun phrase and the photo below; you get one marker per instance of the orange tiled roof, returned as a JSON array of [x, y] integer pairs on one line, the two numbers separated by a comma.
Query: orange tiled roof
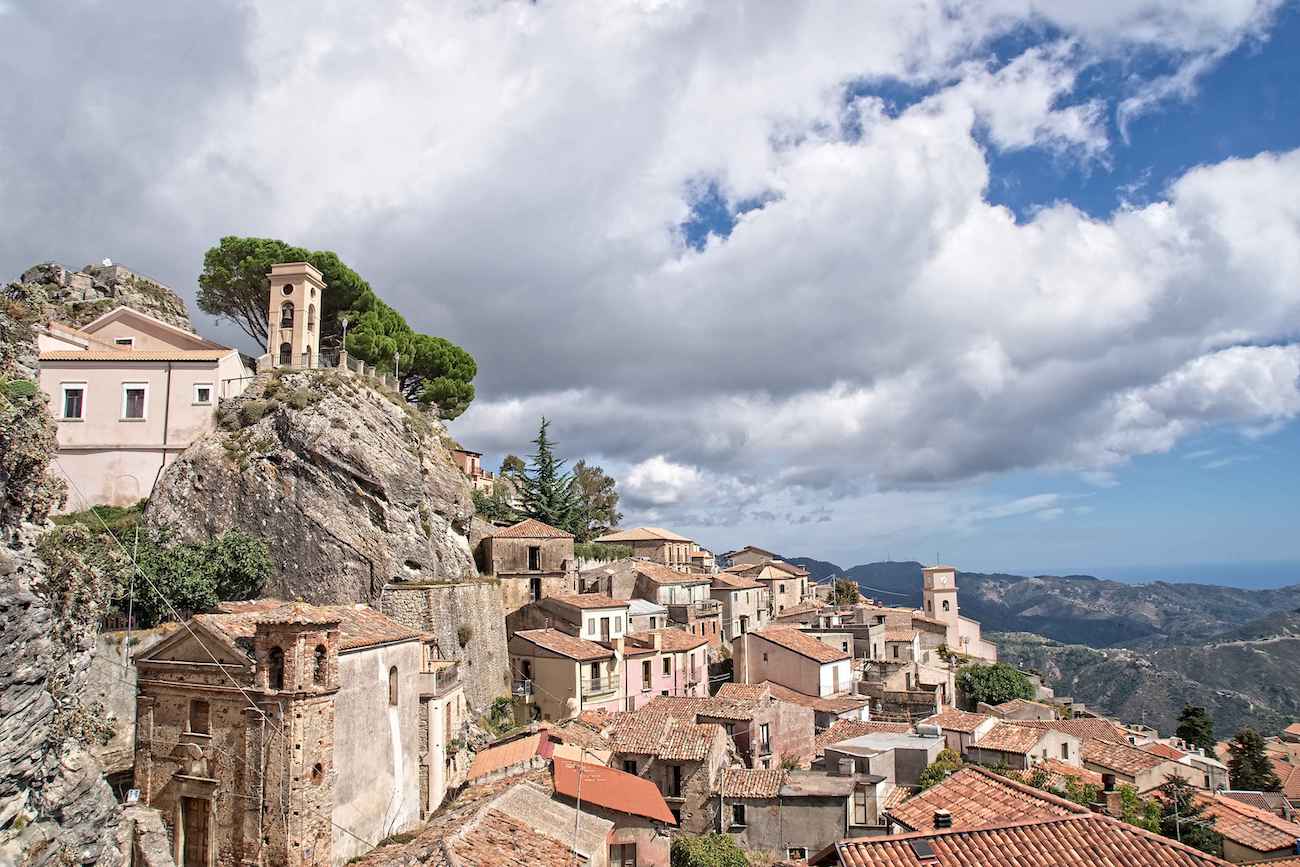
[[788, 568], [899, 633], [661, 574], [952, 719], [1082, 728], [642, 534], [359, 625], [744, 691], [531, 528], [976, 797], [1293, 729], [658, 734], [612, 789], [1006, 737], [1018, 703], [503, 756], [725, 581], [671, 639], [1249, 825], [847, 729], [752, 782], [801, 643], [689, 707], [136, 355], [1123, 758], [564, 644], [588, 600], [497, 839], [1079, 840], [831, 704], [1156, 748], [1289, 774]]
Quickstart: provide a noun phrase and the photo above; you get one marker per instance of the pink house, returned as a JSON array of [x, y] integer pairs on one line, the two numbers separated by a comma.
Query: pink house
[[129, 392], [680, 665]]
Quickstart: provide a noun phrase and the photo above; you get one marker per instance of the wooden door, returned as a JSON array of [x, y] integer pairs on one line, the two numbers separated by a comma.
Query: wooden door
[[194, 815]]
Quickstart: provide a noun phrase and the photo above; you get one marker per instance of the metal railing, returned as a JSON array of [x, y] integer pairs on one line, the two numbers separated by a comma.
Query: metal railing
[[608, 683], [522, 689]]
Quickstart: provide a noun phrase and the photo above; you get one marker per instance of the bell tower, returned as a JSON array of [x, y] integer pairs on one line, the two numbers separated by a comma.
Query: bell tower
[[293, 314], [939, 591]]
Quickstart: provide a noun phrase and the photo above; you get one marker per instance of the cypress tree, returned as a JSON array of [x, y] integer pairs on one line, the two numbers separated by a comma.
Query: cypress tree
[[1248, 764], [546, 489]]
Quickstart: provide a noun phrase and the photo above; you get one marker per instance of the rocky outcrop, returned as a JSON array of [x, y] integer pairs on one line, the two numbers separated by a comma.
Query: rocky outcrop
[[55, 807], [80, 297], [349, 486]]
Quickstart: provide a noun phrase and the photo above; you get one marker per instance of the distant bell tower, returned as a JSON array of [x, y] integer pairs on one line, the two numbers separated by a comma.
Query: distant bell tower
[[939, 590], [293, 317]]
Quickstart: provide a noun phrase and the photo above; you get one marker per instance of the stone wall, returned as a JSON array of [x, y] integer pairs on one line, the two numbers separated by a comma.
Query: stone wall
[[469, 624], [111, 682]]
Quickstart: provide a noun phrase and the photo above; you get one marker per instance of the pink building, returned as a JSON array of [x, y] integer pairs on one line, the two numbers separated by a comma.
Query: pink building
[[130, 392]]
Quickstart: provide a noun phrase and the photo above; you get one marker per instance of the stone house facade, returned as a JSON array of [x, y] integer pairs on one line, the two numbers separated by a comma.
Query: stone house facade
[[793, 814], [532, 560], [744, 604], [643, 823], [654, 544], [338, 731], [764, 731], [684, 760], [787, 585], [746, 556]]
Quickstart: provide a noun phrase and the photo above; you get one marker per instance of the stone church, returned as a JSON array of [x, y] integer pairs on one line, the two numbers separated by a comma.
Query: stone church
[[279, 733]]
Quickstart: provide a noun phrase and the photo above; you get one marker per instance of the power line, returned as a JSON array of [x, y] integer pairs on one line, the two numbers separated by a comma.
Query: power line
[[278, 730]]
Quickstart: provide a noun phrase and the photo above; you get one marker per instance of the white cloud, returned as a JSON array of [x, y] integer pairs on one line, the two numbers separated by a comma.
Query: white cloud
[[513, 176]]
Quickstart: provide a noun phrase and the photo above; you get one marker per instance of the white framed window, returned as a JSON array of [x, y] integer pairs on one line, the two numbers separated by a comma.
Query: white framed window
[[73, 401], [202, 393], [135, 400], [124, 342]]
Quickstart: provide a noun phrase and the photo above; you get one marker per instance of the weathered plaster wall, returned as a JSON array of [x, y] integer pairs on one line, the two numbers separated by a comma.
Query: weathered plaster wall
[[111, 681], [443, 609]]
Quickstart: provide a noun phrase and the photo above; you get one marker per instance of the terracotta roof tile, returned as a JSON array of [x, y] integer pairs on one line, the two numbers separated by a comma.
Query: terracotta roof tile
[[1008, 737], [360, 626], [672, 639], [1080, 840], [1289, 774], [832, 704], [801, 643], [846, 729], [1121, 758], [899, 633], [976, 797], [744, 691], [612, 789], [136, 355], [531, 528], [952, 719], [788, 568], [505, 755], [1156, 748], [658, 734], [752, 782], [1249, 825], [725, 581], [1082, 728], [564, 644], [690, 708], [661, 574], [1016, 704], [1272, 802], [587, 600], [642, 534], [1293, 729]]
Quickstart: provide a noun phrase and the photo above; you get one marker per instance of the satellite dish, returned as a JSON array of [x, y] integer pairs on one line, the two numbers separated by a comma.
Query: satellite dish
[[108, 263]]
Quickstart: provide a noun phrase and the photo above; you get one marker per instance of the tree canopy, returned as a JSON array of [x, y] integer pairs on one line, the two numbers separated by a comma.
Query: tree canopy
[[1248, 765], [548, 491], [597, 501], [994, 684], [707, 850], [844, 592], [1184, 819], [944, 764], [432, 370], [1196, 728]]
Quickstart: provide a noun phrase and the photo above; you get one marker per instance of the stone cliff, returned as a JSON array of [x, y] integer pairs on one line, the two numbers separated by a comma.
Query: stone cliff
[[55, 807], [349, 487], [80, 297]]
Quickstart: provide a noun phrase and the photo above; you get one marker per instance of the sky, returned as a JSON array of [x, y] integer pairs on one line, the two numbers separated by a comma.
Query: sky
[[1010, 284]]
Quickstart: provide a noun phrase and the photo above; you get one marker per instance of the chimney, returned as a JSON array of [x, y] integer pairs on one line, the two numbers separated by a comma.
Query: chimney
[[618, 646], [842, 768], [942, 819], [659, 641]]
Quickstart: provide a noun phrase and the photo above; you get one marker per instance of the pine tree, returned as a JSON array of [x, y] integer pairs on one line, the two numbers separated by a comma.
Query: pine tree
[[1248, 764], [1183, 818], [1196, 728], [547, 491]]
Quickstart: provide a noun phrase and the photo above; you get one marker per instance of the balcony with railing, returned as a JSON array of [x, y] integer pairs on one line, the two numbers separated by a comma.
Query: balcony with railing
[[599, 685], [686, 612], [522, 690], [442, 677]]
